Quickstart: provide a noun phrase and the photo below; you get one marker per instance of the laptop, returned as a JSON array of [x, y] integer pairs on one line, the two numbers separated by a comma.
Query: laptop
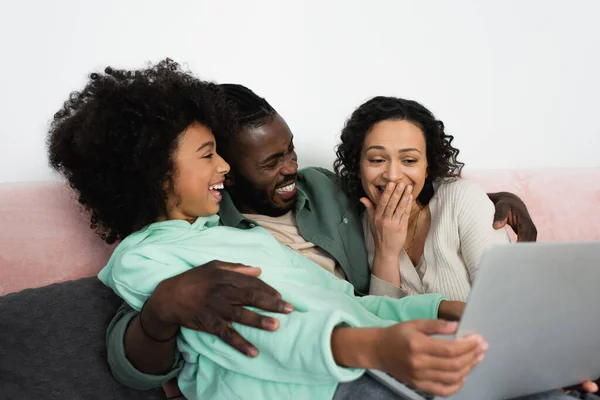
[[538, 307]]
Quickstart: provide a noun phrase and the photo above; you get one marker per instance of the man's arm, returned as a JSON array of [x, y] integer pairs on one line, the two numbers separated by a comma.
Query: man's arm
[[473, 212], [147, 358], [135, 360]]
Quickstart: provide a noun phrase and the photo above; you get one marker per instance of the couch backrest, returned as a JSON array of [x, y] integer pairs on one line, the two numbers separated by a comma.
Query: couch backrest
[[564, 203], [45, 237]]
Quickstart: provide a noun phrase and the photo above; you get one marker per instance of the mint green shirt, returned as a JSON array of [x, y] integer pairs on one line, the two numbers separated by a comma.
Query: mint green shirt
[[296, 360], [325, 217]]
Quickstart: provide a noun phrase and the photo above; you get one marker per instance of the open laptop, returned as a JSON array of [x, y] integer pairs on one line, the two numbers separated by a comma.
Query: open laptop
[[538, 307]]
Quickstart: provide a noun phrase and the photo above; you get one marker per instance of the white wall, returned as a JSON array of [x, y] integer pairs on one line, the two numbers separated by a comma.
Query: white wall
[[517, 82]]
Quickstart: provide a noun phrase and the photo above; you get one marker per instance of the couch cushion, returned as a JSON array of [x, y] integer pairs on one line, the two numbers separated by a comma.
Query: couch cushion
[[52, 344], [45, 237]]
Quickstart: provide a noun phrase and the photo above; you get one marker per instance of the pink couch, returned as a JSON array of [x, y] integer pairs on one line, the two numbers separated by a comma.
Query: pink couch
[[45, 237]]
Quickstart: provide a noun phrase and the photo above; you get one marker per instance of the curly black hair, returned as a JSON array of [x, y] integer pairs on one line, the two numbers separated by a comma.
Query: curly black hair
[[113, 141], [441, 156]]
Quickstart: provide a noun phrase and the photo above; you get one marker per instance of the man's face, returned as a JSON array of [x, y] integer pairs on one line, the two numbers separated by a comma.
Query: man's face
[[263, 169]]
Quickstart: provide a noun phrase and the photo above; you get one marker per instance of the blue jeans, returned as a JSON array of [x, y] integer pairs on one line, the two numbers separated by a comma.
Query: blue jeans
[[368, 388]]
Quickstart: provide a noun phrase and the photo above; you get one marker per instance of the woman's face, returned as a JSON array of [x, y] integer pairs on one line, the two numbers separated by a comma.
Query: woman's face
[[393, 151], [198, 175]]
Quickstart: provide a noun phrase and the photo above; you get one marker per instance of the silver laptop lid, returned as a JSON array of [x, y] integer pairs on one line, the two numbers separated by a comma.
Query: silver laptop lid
[[538, 306]]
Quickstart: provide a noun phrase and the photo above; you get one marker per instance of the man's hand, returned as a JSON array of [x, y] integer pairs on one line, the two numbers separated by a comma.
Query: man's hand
[[451, 310], [429, 364], [209, 298], [511, 210]]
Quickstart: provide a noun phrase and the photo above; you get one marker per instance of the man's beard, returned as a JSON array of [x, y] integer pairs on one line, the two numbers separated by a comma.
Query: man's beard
[[258, 200]]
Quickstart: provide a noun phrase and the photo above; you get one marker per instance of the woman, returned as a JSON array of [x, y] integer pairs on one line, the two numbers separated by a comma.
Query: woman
[[425, 228], [139, 148]]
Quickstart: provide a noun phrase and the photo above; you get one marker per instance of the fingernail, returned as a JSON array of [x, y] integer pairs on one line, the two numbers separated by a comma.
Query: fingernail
[[485, 345], [410, 188], [390, 185], [288, 308], [269, 324], [481, 357], [452, 325], [252, 352]]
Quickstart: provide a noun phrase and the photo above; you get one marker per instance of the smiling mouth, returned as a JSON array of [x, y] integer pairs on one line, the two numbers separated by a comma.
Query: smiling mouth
[[287, 188], [287, 192], [216, 186], [215, 189]]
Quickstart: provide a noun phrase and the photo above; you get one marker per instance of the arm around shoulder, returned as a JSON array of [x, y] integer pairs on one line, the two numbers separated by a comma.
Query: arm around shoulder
[[475, 216]]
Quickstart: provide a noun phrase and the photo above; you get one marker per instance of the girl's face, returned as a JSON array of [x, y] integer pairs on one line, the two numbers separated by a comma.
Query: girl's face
[[198, 175], [393, 151]]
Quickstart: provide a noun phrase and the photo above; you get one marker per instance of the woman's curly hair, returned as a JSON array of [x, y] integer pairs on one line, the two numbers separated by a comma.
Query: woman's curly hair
[[441, 156], [113, 141]]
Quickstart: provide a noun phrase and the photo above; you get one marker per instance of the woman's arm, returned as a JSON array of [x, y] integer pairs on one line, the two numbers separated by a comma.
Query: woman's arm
[[386, 230], [474, 212]]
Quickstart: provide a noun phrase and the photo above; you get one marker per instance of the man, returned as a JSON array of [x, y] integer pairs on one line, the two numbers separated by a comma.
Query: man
[[304, 210]]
